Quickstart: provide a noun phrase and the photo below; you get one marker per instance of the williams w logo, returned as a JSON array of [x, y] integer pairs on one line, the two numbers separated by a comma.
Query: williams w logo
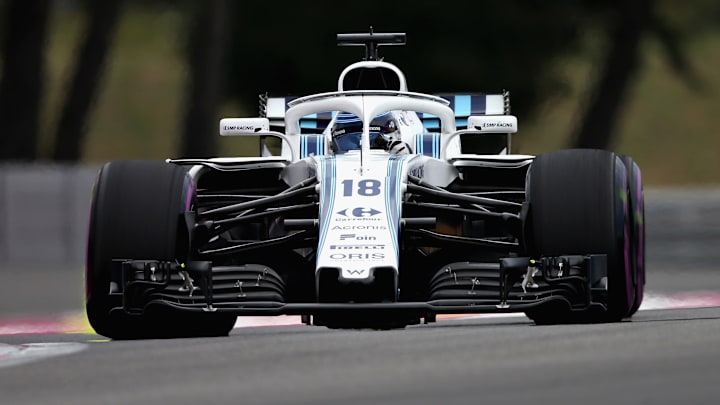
[[356, 272]]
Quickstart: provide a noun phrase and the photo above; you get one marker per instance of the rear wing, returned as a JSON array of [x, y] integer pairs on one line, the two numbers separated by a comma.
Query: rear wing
[[469, 104], [464, 105], [273, 108]]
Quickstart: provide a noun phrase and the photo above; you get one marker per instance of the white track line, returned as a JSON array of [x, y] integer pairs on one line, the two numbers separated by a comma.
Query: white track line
[[12, 355]]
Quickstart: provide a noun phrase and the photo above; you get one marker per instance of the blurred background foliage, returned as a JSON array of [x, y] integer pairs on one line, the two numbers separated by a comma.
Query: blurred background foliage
[[89, 81]]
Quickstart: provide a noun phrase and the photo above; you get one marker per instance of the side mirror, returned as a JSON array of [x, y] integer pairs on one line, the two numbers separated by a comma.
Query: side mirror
[[255, 127]]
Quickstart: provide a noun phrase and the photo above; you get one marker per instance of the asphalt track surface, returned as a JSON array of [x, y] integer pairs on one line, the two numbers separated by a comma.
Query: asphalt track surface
[[669, 353]]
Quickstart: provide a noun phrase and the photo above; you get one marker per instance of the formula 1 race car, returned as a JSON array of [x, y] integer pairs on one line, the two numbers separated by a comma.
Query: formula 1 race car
[[381, 208]]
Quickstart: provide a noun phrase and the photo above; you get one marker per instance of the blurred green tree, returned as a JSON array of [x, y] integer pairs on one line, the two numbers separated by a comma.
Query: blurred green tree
[[471, 46], [21, 86], [629, 22], [207, 67], [237, 50], [102, 20]]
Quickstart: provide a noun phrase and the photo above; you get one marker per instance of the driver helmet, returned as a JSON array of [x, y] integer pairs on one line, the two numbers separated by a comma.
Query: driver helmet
[[347, 131]]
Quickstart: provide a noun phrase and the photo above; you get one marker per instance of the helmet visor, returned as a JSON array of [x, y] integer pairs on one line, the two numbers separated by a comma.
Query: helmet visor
[[351, 141]]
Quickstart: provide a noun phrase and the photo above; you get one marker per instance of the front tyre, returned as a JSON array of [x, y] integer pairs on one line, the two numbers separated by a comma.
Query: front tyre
[[136, 213], [579, 205]]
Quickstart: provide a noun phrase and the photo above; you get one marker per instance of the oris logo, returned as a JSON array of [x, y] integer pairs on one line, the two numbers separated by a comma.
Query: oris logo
[[357, 256]]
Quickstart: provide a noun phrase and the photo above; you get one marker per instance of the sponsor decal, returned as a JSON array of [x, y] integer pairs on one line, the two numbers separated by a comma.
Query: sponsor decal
[[498, 124], [359, 212], [241, 128], [349, 236], [360, 219], [357, 256], [351, 219], [358, 247], [359, 227]]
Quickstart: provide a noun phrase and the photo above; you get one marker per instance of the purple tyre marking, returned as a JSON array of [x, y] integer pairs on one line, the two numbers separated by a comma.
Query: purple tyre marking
[[190, 190], [640, 239], [626, 243]]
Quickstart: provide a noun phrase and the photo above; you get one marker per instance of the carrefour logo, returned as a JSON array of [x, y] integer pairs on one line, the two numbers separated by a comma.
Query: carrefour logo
[[359, 212]]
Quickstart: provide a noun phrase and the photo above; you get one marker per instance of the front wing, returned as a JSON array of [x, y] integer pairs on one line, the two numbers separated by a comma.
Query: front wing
[[511, 285]]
